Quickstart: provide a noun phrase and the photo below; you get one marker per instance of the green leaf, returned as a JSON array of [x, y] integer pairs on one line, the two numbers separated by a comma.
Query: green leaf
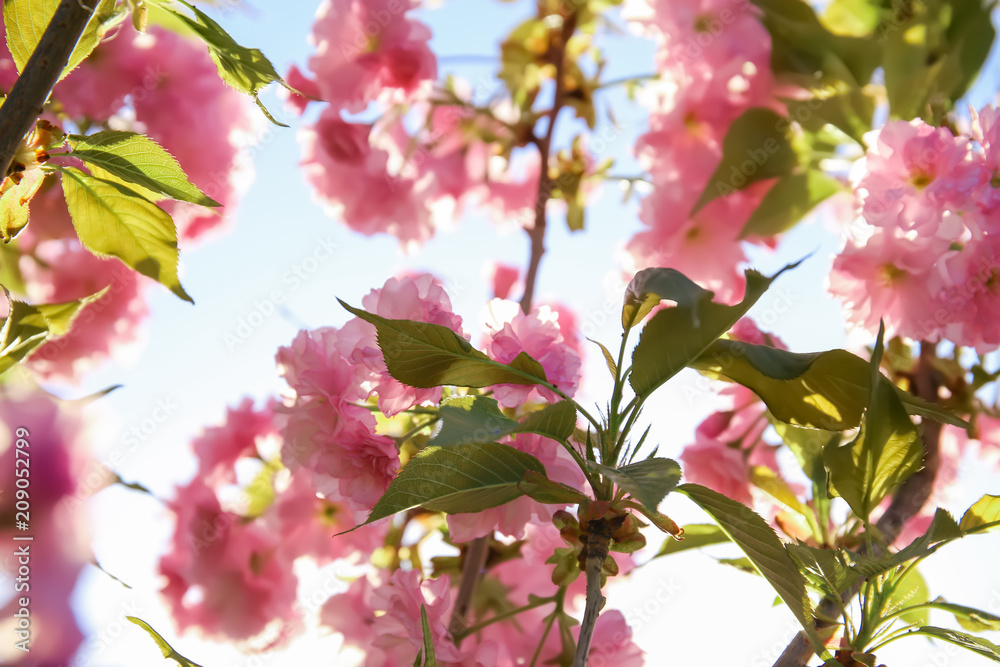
[[426, 657], [973, 620], [14, 205], [696, 536], [807, 445], [457, 480], [608, 358], [166, 649], [472, 419], [932, 55], [788, 201], [113, 220], [757, 147], [541, 489], [982, 516], [847, 108], [825, 390], [910, 593], [824, 568], [246, 70], [918, 406], [26, 21], [805, 52], [28, 326], [771, 483], [857, 18], [430, 355], [983, 647], [675, 337], [942, 530], [646, 481], [137, 159], [757, 540], [650, 286], [886, 451]]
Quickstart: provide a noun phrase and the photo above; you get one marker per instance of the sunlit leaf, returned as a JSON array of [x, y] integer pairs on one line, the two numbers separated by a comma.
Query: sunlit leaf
[[788, 201], [977, 645], [112, 220], [138, 159], [675, 337], [984, 515], [166, 649], [246, 70], [26, 21], [886, 451]]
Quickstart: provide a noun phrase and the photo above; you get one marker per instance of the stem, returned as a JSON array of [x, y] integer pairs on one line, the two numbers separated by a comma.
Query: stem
[[537, 233], [598, 542], [635, 78], [475, 560], [559, 597], [503, 617], [29, 92], [907, 502]]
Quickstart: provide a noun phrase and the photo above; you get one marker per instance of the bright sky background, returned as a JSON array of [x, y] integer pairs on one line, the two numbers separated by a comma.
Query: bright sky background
[[685, 610]]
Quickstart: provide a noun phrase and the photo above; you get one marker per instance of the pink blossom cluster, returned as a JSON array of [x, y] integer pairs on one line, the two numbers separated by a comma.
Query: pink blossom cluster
[[713, 61], [926, 257], [386, 177], [167, 87], [229, 568]]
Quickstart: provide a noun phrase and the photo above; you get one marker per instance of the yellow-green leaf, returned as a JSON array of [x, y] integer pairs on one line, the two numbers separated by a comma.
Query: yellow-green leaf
[[26, 21], [138, 160], [113, 220], [983, 515], [166, 649]]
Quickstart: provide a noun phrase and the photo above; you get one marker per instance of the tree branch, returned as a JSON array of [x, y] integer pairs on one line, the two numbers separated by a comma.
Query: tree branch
[[906, 503], [598, 543], [475, 561], [536, 234], [27, 97]]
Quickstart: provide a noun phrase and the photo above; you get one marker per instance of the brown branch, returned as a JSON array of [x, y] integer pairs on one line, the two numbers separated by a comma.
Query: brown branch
[[472, 569], [24, 103], [536, 234], [906, 503]]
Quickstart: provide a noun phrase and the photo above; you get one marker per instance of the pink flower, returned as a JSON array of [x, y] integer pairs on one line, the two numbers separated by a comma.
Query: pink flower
[[706, 248], [893, 278], [539, 334], [102, 328], [420, 298], [219, 447], [718, 466], [223, 574], [913, 173], [352, 179], [972, 300], [612, 642], [367, 48], [324, 433], [503, 277]]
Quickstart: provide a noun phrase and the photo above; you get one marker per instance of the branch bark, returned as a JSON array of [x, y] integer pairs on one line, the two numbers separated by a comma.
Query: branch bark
[[598, 543], [24, 103], [906, 503], [472, 569]]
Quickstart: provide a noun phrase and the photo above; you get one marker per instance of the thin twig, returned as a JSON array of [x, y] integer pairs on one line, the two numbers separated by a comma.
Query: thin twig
[[537, 233], [906, 503], [25, 102]]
